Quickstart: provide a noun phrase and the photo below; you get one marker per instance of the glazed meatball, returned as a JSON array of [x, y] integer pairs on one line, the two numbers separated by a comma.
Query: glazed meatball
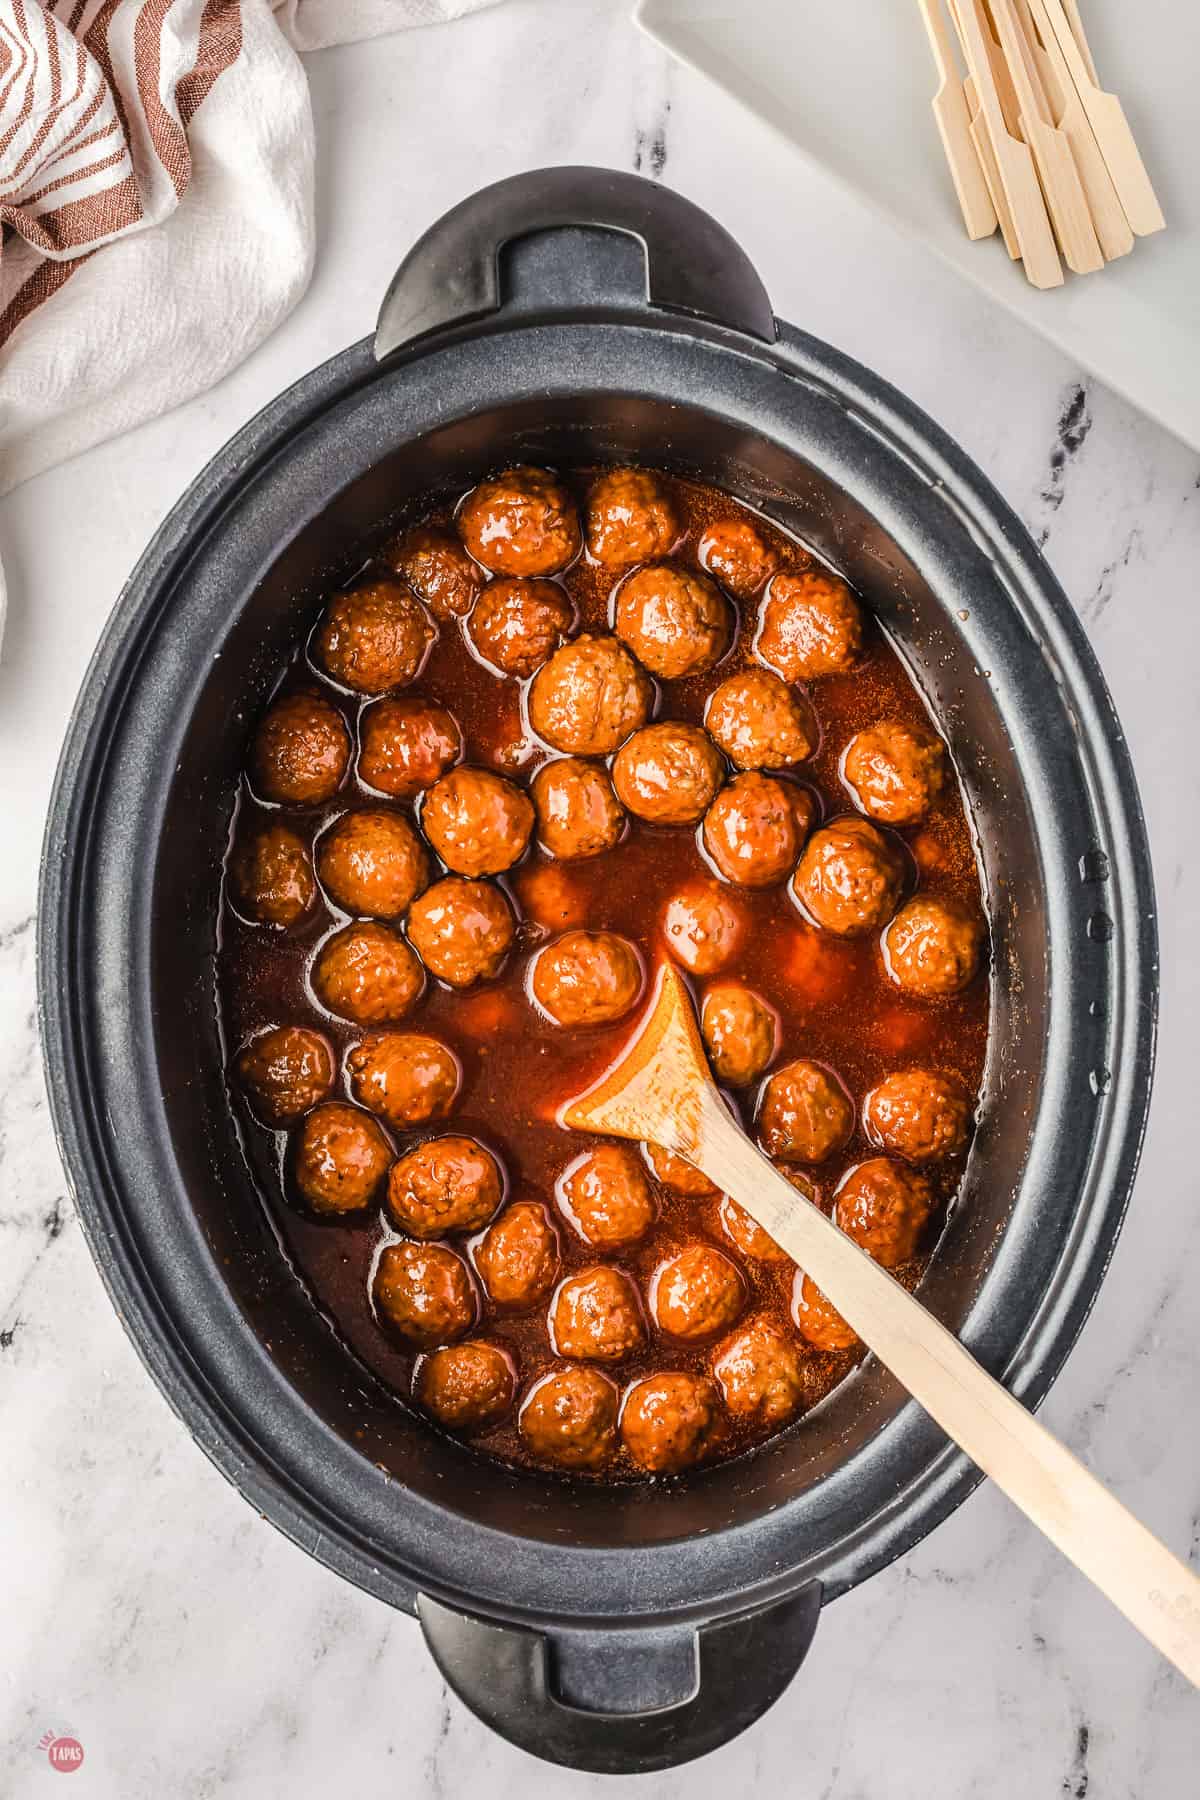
[[895, 772], [520, 523], [884, 1206], [367, 974], [406, 1077], [589, 696], [920, 1114], [552, 897], [570, 1418], [605, 1195], [817, 1320], [667, 773], [374, 638], [578, 813], [806, 1113], [747, 1235], [406, 743], [516, 622], [760, 1375], [932, 947], [436, 567], [697, 1294], [372, 863], [341, 1158], [703, 927], [631, 518], [467, 1387], [754, 829], [478, 823], [809, 624], [677, 1173], [676, 621], [271, 877], [587, 978], [740, 1031], [760, 722], [596, 1316], [461, 930], [424, 1292], [671, 1421], [517, 1257], [445, 1184], [286, 1071], [735, 552], [301, 751], [849, 878]]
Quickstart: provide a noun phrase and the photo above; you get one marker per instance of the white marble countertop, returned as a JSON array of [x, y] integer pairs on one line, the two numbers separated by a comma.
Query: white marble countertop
[[191, 1649]]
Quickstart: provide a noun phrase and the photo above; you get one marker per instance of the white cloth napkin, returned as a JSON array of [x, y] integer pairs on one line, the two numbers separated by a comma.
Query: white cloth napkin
[[156, 200]]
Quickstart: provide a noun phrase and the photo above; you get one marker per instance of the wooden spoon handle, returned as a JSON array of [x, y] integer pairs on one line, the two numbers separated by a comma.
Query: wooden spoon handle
[[1156, 1592]]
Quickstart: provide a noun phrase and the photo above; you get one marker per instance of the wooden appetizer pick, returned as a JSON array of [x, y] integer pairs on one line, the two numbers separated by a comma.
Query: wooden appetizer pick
[[660, 1091], [991, 168], [1056, 169], [1075, 20], [954, 126]]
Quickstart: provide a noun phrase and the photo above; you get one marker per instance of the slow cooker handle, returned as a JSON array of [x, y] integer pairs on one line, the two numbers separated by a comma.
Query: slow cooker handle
[[622, 1702], [451, 275]]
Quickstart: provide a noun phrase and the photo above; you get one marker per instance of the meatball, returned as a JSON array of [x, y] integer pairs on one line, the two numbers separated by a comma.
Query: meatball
[[406, 743], [425, 1293], [520, 523], [301, 751], [467, 1387], [703, 927], [372, 862], [760, 722], [516, 622], [517, 1257], [884, 1206], [404, 1076], [587, 978], [754, 829], [667, 773], [552, 897], [589, 696], [605, 1195], [932, 947], [817, 1320], [341, 1158], [697, 1294], [676, 621], [677, 1173], [478, 823], [631, 518], [271, 877], [920, 1114], [747, 1235], [761, 1376], [735, 552], [596, 1316], [436, 567], [570, 1418], [849, 877], [809, 624], [740, 1031], [445, 1184], [374, 638], [286, 1071], [670, 1421], [806, 1113], [367, 974], [461, 930], [894, 771], [578, 813]]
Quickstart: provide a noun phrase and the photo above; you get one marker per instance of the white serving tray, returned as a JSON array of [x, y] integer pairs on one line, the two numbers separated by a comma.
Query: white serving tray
[[848, 83]]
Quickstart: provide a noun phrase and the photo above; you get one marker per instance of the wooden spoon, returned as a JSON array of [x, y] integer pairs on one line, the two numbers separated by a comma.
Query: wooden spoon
[[660, 1091]]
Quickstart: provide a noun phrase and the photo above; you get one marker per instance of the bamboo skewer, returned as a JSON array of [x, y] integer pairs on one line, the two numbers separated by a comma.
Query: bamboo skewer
[[991, 169], [1071, 7], [954, 126]]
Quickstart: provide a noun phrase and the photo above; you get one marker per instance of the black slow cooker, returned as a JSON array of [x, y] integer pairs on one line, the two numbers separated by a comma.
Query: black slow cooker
[[578, 316]]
